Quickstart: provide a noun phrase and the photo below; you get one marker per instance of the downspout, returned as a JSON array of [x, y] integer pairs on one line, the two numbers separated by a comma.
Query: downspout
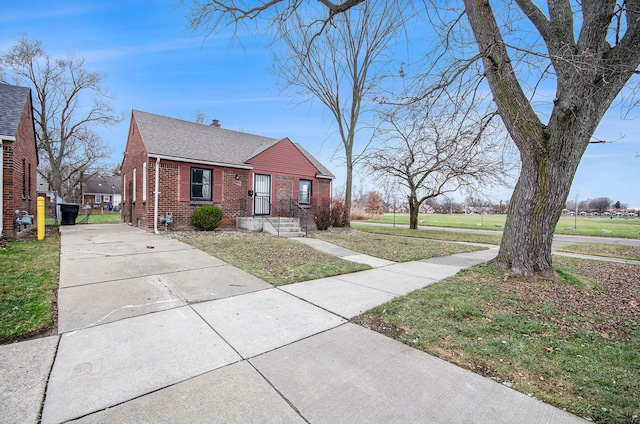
[[155, 198]]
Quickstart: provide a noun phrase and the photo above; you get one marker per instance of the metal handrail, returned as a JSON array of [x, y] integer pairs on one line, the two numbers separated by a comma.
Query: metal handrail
[[295, 210], [268, 217]]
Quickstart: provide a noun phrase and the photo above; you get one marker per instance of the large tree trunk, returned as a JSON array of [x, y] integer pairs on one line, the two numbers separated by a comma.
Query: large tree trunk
[[536, 204], [589, 75], [414, 209]]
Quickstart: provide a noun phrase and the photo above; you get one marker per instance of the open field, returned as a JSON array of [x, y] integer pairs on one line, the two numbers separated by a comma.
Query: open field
[[627, 227]]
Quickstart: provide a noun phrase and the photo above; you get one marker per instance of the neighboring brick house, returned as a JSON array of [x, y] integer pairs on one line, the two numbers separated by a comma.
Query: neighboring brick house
[[102, 192], [18, 157], [175, 166]]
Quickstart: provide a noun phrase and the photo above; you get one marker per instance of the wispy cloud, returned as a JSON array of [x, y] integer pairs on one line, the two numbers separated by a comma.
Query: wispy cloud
[[120, 52]]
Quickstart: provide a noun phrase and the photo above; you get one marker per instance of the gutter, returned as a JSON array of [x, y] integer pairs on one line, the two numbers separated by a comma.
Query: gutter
[[200, 162], [155, 198]]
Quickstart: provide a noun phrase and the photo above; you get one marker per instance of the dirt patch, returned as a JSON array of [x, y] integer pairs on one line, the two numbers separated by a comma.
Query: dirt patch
[[616, 298]]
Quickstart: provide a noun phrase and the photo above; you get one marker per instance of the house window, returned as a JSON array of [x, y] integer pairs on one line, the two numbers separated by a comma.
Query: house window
[[105, 198], [304, 195], [98, 199], [200, 184]]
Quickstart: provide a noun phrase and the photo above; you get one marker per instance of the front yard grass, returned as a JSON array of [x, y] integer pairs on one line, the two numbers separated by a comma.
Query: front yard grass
[[275, 260], [28, 286], [572, 342], [392, 247], [607, 250]]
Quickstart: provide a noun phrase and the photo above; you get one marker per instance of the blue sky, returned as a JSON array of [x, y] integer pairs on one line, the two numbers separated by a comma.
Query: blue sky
[[153, 63]]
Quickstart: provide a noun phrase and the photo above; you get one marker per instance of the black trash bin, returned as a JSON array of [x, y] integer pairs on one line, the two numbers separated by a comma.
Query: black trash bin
[[69, 213]]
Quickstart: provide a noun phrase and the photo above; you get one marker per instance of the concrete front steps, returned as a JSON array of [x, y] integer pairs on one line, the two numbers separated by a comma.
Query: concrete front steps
[[282, 227]]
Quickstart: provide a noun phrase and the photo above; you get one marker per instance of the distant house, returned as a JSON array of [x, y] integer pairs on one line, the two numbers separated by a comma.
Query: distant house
[[171, 167], [18, 158], [102, 192]]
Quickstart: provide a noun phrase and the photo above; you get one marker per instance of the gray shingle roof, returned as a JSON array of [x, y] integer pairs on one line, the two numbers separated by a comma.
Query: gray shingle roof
[[12, 101], [108, 184], [166, 137]]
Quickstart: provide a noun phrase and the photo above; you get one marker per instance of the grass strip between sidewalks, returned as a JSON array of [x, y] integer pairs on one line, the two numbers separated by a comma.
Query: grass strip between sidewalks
[[606, 250], [275, 260], [443, 234], [28, 286], [394, 248]]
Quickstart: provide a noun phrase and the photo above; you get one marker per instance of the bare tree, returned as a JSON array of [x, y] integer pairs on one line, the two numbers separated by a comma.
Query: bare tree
[[68, 149], [436, 148], [601, 204], [591, 50], [342, 68], [588, 48]]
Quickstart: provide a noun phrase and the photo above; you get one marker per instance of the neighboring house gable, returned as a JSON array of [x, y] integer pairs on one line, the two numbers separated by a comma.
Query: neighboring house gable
[[102, 192], [19, 157], [196, 164]]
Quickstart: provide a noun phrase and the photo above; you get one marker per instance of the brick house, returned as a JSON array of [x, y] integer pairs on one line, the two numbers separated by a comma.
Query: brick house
[[102, 192], [18, 157], [172, 166]]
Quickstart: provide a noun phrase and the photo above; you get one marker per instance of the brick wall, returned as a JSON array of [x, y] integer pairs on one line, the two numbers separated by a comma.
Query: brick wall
[[324, 188], [284, 192], [133, 210], [19, 165], [234, 192]]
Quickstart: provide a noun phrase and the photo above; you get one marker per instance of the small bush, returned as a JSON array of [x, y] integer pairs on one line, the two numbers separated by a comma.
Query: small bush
[[358, 213], [206, 218], [321, 212], [338, 210]]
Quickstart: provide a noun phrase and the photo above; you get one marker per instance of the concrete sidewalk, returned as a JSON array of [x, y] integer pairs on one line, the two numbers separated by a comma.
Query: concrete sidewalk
[[153, 330]]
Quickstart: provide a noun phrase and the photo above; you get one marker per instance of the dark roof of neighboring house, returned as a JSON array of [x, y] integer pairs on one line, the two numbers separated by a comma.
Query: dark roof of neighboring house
[[103, 185], [165, 137], [12, 101]]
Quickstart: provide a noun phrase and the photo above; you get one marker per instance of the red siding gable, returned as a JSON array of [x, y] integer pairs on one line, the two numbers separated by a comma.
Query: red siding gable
[[283, 158]]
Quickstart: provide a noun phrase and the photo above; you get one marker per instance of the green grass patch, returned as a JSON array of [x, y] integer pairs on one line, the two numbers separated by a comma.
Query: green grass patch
[[28, 286], [431, 234], [392, 247], [275, 260], [96, 217], [570, 342], [607, 250], [626, 227]]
